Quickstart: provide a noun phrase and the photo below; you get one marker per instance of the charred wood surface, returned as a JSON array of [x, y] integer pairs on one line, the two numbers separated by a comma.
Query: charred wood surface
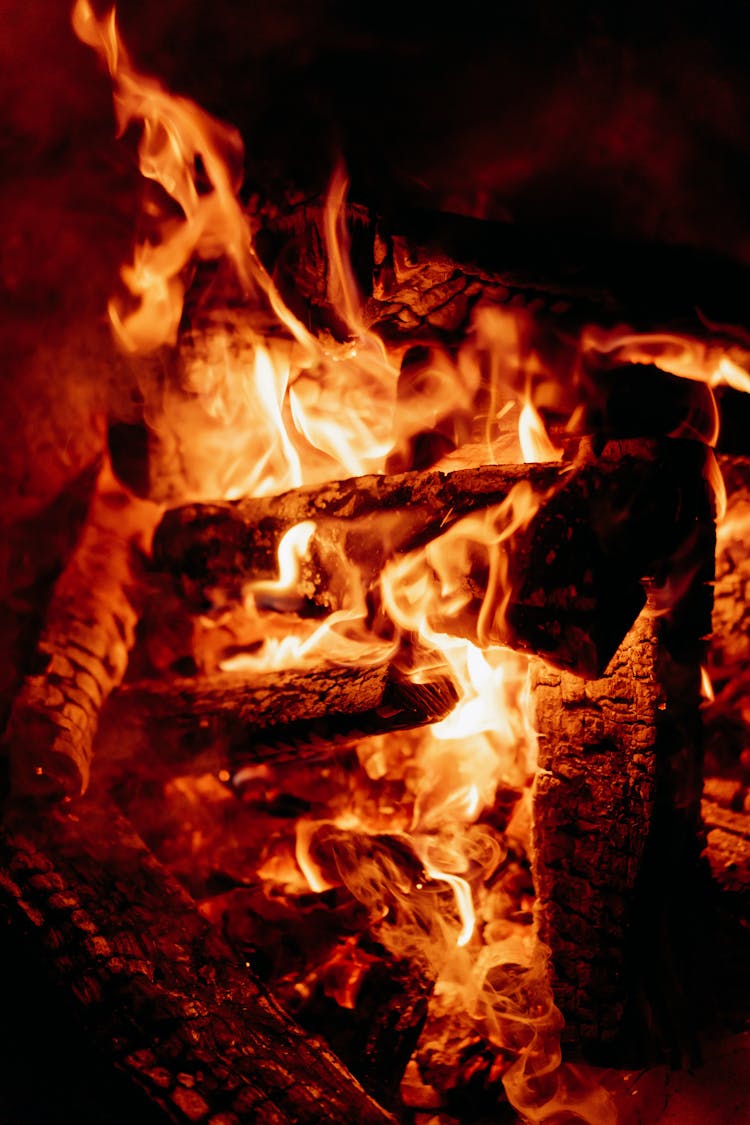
[[159, 729], [157, 989], [430, 267], [83, 650], [730, 646], [222, 546], [574, 570], [617, 834]]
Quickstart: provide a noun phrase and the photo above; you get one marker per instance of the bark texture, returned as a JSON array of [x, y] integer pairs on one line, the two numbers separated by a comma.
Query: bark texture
[[571, 588], [617, 833], [83, 650], [730, 646], [157, 989], [159, 729]]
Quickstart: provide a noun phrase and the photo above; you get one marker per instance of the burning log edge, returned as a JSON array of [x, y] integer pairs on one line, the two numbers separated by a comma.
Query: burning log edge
[[225, 722], [161, 995], [82, 654], [617, 829], [604, 524]]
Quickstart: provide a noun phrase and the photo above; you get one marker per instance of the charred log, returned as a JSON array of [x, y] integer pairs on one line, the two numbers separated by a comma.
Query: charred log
[[617, 828], [220, 547], [83, 650], [225, 723], [574, 570], [158, 990]]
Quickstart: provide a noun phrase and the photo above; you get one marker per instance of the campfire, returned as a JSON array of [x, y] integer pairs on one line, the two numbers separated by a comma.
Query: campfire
[[356, 774]]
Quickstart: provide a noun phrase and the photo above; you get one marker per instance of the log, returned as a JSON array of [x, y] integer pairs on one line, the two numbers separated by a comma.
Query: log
[[157, 990], [225, 723], [617, 835], [210, 547], [730, 646], [334, 978], [82, 653], [575, 569]]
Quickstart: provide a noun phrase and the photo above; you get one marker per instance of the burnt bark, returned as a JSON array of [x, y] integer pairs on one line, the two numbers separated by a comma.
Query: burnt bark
[[225, 723], [157, 990], [574, 566], [220, 546], [730, 646], [617, 833], [83, 650]]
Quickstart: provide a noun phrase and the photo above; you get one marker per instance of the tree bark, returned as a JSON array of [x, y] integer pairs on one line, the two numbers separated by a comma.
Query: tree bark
[[617, 833], [575, 565], [83, 650], [158, 991], [159, 729]]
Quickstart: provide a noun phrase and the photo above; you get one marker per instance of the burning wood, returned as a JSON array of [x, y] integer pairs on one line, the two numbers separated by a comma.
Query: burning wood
[[83, 651], [226, 722], [574, 577], [162, 995], [617, 823]]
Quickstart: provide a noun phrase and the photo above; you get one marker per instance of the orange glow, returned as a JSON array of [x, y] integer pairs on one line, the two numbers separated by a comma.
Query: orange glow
[[261, 405]]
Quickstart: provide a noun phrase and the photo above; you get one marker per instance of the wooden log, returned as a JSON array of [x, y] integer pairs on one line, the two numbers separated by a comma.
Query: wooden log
[[157, 990], [221, 546], [730, 646], [575, 567], [83, 650], [431, 268], [617, 833], [225, 723], [337, 982]]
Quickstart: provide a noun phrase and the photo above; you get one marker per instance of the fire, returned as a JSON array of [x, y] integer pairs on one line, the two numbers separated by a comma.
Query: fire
[[262, 404]]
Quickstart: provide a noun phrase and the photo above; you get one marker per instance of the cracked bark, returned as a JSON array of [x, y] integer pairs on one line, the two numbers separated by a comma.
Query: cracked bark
[[617, 832], [157, 990]]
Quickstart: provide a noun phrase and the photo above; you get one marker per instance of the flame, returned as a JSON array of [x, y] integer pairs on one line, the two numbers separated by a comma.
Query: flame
[[263, 404]]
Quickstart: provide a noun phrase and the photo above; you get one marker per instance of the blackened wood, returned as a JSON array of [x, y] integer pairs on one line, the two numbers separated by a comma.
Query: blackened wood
[[82, 653], [730, 645], [431, 268], [575, 567], [159, 729], [617, 833], [376, 1032], [222, 546], [156, 988]]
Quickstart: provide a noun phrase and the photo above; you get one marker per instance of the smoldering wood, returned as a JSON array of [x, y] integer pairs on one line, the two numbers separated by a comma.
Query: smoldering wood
[[434, 265], [617, 832], [422, 274], [222, 546], [730, 646], [201, 725], [575, 569], [158, 992], [377, 1036], [82, 653]]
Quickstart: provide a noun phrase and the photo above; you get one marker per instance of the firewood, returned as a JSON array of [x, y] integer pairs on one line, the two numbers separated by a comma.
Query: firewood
[[431, 268], [575, 570], [730, 646], [156, 989], [82, 653], [211, 724], [334, 978], [617, 831], [221, 546]]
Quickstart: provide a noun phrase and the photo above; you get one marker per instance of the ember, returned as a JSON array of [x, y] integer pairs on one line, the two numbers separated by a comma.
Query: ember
[[378, 667]]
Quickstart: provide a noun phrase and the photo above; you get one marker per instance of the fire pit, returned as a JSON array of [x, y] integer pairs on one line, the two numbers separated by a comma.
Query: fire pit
[[363, 733]]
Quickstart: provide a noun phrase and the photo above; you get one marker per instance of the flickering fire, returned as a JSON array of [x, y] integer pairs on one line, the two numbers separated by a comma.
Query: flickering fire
[[266, 405]]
